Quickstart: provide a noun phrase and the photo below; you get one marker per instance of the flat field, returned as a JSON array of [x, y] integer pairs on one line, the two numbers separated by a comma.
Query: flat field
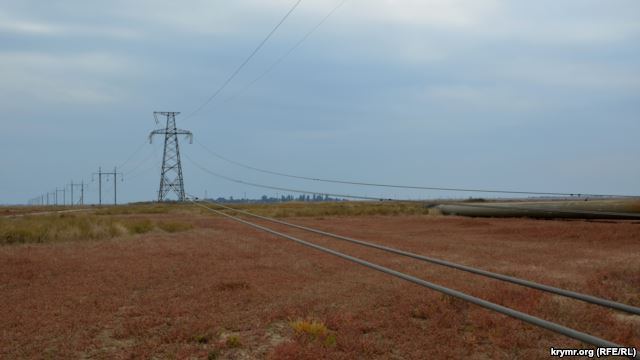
[[178, 282]]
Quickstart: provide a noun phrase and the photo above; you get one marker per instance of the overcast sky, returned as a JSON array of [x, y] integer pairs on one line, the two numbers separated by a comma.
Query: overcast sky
[[518, 95]]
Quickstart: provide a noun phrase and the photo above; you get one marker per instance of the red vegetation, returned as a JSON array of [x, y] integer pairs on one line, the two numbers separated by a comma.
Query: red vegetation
[[222, 290]]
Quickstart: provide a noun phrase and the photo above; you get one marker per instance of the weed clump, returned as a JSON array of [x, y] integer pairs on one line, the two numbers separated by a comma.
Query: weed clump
[[201, 339], [330, 340], [315, 329], [233, 342], [420, 313], [314, 332]]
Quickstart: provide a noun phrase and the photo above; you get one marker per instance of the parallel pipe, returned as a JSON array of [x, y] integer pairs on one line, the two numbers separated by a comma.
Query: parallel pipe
[[531, 284], [560, 329]]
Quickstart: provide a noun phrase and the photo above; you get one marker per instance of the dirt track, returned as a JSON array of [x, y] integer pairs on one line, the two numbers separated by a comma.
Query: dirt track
[[183, 295]]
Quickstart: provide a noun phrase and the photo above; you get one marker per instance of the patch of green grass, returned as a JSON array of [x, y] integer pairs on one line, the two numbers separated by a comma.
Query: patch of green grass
[[233, 342], [330, 341]]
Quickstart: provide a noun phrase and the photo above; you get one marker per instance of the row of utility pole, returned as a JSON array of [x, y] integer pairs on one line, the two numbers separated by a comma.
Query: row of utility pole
[[171, 179], [52, 198]]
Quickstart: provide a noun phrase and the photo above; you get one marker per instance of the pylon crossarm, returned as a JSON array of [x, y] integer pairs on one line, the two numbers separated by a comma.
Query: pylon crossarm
[[155, 132], [187, 133]]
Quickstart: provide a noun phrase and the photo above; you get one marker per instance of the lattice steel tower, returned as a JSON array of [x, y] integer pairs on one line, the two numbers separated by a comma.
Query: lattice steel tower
[[171, 176]]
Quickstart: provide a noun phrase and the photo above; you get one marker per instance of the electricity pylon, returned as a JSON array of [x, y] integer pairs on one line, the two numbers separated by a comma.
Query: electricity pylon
[[171, 176]]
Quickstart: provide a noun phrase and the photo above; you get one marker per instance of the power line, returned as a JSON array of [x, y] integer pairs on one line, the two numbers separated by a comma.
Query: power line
[[545, 324], [157, 165], [347, 196], [228, 178], [291, 50], [271, 172], [245, 62], [139, 165], [144, 161], [360, 183], [121, 166], [513, 280]]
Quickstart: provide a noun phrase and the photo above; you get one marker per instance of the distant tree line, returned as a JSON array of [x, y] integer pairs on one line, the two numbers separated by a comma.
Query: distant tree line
[[284, 198]]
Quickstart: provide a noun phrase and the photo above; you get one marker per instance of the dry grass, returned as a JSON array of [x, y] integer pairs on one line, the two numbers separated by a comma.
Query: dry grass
[[22, 210], [147, 208], [55, 228], [345, 208], [287, 209], [172, 227], [77, 227], [310, 327]]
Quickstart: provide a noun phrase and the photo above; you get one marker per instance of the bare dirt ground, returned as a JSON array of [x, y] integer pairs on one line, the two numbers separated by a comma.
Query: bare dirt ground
[[222, 290]]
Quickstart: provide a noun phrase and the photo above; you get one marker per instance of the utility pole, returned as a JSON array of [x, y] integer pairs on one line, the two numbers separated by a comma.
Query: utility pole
[[64, 195], [115, 174], [82, 193], [81, 185], [171, 179], [99, 173], [71, 186]]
